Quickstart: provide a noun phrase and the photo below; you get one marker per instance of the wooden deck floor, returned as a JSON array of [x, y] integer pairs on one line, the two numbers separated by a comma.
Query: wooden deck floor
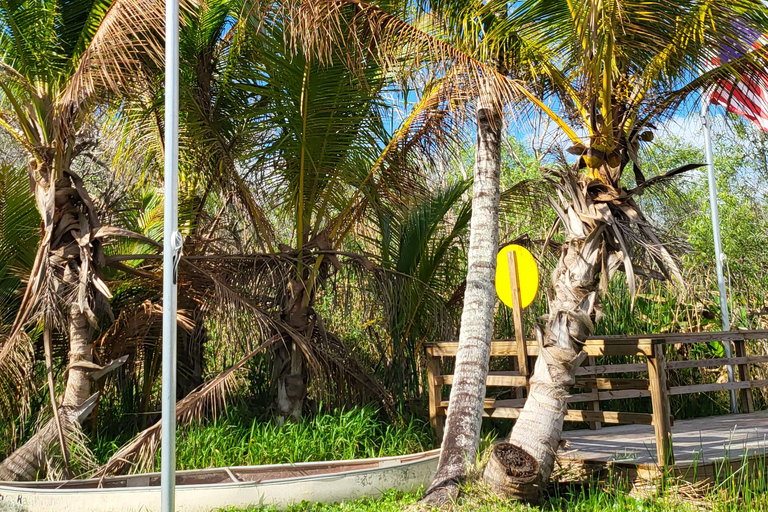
[[696, 442]]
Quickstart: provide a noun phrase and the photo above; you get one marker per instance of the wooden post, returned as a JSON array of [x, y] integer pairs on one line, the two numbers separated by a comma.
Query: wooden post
[[517, 314], [594, 425], [747, 403], [657, 376], [514, 365], [435, 394]]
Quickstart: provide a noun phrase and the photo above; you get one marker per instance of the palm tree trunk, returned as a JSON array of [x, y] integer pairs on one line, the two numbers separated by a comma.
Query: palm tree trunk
[[78, 387], [24, 463], [575, 280], [288, 373], [465, 409], [27, 460]]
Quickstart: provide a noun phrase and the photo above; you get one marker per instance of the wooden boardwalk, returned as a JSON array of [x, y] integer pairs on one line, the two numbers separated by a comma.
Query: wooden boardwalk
[[700, 445], [699, 440], [643, 443]]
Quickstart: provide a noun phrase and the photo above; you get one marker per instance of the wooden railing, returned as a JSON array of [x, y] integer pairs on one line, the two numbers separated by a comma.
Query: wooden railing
[[595, 389]]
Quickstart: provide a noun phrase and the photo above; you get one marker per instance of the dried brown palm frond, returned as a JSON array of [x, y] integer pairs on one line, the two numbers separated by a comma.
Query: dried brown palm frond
[[15, 374], [79, 460], [630, 241], [23, 464], [134, 327], [40, 301], [246, 299], [130, 34], [210, 397]]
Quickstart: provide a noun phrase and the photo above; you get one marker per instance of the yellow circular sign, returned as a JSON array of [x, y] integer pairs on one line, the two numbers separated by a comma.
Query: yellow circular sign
[[527, 274]]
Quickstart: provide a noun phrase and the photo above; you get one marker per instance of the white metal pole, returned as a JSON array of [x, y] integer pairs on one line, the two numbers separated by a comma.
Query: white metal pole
[[171, 246], [718, 245]]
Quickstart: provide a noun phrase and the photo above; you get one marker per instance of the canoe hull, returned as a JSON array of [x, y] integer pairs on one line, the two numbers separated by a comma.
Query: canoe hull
[[405, 474]]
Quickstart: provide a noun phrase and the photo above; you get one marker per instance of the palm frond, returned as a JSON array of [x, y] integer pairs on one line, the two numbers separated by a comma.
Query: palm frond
[[140, 452], [129, 34]]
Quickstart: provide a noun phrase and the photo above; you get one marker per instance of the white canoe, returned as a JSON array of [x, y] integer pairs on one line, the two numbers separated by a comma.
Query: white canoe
[[207, 490]]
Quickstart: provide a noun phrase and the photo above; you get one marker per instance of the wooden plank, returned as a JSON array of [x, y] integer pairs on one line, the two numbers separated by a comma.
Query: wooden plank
[[622, 349], [633, 418], [657, 374], [509, 348], [595, 405], [509, 379], [519, 391], [747, 402], [760, 334], [612, 368], [435, 395], [720, 361], [583, 397], [517, 314], [618, 346], [488, 403], [575, 415], [612, 384], [602, 396], [707, 337], [725, 386], [497, 380], [498, 347], [608, 341], [624, 394]]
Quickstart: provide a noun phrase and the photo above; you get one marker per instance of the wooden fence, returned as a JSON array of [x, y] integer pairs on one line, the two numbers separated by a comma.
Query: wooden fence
[[594, 388]]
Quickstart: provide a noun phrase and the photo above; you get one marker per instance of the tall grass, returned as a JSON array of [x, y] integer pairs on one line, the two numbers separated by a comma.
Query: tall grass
[[233, 440]]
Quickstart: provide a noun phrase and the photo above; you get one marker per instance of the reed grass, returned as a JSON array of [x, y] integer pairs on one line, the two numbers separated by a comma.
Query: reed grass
[[361, 432]]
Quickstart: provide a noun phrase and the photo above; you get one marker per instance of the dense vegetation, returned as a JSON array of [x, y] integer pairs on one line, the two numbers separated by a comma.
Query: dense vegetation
[[325, 204]]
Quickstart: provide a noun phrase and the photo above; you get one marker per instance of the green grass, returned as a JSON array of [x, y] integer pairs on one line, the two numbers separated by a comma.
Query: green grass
[[744, 489], [361, 432], [573, 499]]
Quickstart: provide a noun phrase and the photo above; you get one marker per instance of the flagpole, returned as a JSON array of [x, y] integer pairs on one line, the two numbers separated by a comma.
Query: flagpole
[[171, 248], [719, 256]]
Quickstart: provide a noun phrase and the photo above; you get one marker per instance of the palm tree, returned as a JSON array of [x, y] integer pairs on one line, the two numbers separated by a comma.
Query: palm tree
[[62, 60], [415, 248], [283, 158], [615, 69], [471, 52]]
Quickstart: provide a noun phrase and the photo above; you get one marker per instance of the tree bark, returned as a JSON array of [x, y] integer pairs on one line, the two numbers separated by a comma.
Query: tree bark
[[72, 217], [288, 374], [78, 387], [465, 410], [575, 280]]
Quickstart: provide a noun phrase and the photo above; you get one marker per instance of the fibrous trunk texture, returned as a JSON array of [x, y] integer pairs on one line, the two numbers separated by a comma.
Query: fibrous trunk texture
[[25, 463], [73, 255], [574, 280], [465, 409], [78, 387], [511, 472], [289, 362]]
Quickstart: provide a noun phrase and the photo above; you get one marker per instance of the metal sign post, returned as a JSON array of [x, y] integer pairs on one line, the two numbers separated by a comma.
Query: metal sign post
[[171, 247]]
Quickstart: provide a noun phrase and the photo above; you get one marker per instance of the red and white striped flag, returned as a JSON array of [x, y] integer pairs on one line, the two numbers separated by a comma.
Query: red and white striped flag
[[747, 97]]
